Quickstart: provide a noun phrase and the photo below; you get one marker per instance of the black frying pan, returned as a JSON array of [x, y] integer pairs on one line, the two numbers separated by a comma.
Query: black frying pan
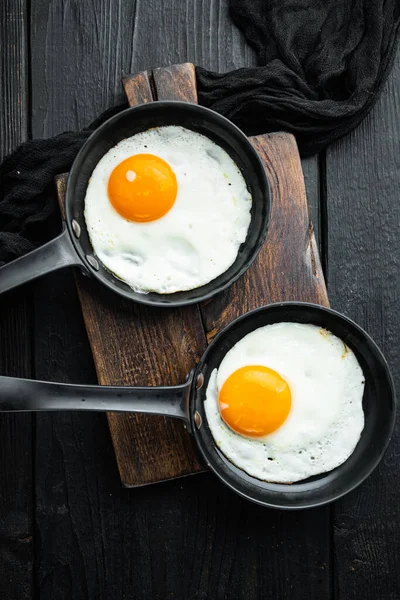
[[73, 246], [186, 402]]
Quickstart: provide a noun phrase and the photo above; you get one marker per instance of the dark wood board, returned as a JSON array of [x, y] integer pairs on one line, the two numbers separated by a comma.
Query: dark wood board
[[150, 449], [186, 539], [363, 179], [16, 486]]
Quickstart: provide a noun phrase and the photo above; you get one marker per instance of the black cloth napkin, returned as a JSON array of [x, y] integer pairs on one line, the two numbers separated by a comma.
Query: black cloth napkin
[[322, 66]]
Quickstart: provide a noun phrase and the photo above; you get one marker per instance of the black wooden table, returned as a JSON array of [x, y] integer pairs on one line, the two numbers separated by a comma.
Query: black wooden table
[[67, 528]]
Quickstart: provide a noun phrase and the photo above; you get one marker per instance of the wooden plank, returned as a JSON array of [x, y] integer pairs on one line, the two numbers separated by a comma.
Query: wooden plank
[[77, 483], [138, 90], [310, 168], [176, 82], [16, 488], [363, 180], [66, 460]]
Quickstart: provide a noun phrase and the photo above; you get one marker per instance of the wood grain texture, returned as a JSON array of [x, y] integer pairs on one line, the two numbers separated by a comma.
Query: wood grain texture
[[138, 89], [186, 539], [144, 347], [65, 550], [13, 75], [313, 184], [176, 82], [288, 265], [81, 49], [363, 180], [16, 466]]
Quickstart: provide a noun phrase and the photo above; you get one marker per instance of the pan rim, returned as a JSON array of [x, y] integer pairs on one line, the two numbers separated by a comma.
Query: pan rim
[[331, 496], [147, 299]]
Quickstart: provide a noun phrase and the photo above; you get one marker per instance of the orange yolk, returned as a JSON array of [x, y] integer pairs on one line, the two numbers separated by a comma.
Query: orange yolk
[[142, 188], [254, 401]]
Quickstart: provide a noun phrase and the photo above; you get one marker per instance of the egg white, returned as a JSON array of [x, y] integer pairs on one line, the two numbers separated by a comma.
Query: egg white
[[326, 417], [197, 240]]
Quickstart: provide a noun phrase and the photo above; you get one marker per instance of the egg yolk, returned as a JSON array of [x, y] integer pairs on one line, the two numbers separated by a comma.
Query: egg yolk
[[254, 401], [142, 188]]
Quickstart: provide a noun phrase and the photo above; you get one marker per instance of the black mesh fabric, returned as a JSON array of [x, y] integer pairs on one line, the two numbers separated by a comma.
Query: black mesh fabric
[[29, 213], [322, 67]]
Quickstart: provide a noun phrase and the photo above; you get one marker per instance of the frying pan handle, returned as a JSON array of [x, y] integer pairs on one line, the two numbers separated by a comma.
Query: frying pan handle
[[21, 395], [54, 255]]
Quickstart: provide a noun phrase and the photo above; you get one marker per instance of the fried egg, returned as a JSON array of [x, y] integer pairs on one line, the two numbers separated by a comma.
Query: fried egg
[[286, 402], [167, 210]]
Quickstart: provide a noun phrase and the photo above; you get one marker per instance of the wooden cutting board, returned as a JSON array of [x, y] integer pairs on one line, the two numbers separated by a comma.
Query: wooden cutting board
[[138, 345]]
